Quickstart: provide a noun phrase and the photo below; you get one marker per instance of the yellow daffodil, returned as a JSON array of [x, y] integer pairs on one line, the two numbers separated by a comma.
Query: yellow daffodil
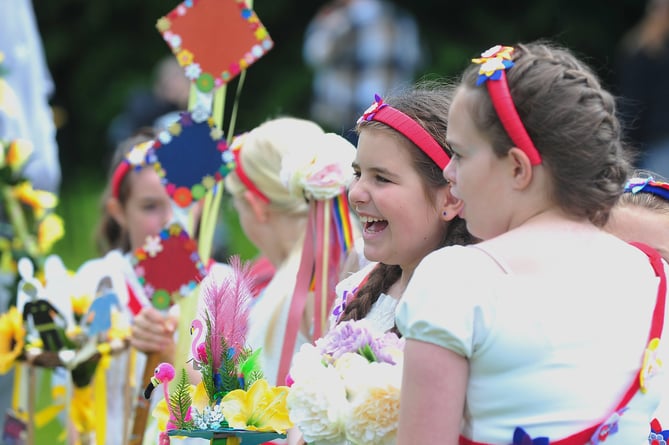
[[261, 408], [50, 230], [161, 414], [18, 153], [200, 399], [39, 200], [12, 338], [199, 396], [80, 304]]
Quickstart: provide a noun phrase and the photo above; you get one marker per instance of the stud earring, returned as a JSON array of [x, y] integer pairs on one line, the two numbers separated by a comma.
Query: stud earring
[[444, 213]]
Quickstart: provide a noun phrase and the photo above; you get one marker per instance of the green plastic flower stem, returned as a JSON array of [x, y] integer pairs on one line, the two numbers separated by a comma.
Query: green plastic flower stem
[[16, 218]]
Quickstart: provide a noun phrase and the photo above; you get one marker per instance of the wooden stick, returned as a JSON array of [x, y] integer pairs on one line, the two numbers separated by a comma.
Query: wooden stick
[[32, 394], [128, 393], [142, 405]]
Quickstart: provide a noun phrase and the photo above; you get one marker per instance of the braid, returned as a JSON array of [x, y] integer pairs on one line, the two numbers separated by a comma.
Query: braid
[[572, 121], [379, 281]]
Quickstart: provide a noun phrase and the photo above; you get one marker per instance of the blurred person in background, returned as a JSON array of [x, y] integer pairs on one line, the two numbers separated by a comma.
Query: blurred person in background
[[156, 107], [27, 88], [358, 48], [644, 87]]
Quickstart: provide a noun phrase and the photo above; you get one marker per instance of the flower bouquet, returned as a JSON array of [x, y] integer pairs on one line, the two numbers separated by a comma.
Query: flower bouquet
[[346, 387], [233, 401]]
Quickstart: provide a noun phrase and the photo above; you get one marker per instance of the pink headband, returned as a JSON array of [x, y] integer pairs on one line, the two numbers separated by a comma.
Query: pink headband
[[394, 118], [137, 157], [494, 64], [236, 152]]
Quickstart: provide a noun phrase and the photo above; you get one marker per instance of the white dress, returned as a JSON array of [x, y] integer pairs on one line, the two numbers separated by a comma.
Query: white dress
[[552, 353]]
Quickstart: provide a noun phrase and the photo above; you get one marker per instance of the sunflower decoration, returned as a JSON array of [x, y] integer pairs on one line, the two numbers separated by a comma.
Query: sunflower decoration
[[12, 338]]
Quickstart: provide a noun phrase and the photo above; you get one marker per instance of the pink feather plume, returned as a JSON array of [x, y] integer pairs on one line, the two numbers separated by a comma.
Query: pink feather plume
[[226, 302]]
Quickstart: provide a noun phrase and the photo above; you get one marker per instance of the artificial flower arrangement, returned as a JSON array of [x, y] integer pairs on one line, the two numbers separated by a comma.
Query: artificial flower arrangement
[[28, 225], [346, 387], [65, 320], [233, 401]]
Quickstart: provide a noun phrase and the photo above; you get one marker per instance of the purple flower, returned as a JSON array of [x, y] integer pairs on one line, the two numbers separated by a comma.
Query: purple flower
[[383, 346], [349, 336]]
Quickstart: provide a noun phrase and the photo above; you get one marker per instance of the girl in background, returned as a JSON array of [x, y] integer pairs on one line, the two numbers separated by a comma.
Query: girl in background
[[286, 170]]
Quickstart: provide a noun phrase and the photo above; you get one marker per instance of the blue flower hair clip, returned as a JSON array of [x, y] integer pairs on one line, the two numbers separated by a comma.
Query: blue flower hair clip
[[648, 185], [369, 113]]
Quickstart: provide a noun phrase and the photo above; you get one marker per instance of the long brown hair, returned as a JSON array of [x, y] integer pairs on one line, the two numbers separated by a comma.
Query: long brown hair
[[427, 103]]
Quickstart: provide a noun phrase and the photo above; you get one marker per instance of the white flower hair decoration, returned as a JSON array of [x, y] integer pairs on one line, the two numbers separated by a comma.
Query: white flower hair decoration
[[322, 173]]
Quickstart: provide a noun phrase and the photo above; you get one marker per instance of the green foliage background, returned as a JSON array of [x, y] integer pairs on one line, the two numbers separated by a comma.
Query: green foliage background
[[99, 51]]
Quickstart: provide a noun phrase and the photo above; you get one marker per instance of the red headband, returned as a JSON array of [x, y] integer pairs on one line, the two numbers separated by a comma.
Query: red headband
[[137, 157], [236, 151], [394, 118], [494, 64]]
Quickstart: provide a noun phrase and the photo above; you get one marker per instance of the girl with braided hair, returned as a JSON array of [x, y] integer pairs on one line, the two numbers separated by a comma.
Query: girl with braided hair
[[401, 198], [403, 203], [546, 331]]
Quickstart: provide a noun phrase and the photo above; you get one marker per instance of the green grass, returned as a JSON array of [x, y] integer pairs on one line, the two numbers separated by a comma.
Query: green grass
[[79, 206]]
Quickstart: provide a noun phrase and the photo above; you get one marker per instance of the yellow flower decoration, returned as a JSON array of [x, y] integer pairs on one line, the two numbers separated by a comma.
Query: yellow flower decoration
[[185, 57], [12, 338], [161, 414], [200, 399], [39, 200], [175, 129], [80, 304], [261, 408], [651, 363], [163, 24], [18, 153], [50, 230], [199, 396]]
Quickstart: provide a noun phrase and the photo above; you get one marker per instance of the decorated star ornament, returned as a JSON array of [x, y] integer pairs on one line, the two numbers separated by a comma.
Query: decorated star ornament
[[191, 157], [168, 266], [493, 63], [214, 40]]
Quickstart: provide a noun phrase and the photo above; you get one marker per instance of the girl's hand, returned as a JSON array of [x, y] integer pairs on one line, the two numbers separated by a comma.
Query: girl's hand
[[153, 331]]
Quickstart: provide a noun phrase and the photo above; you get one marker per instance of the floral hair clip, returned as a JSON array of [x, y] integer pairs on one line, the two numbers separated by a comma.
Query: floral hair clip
[[494, 63], [374, 108], [236, 148], [139, 156], [648, 185], [412, 130]]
